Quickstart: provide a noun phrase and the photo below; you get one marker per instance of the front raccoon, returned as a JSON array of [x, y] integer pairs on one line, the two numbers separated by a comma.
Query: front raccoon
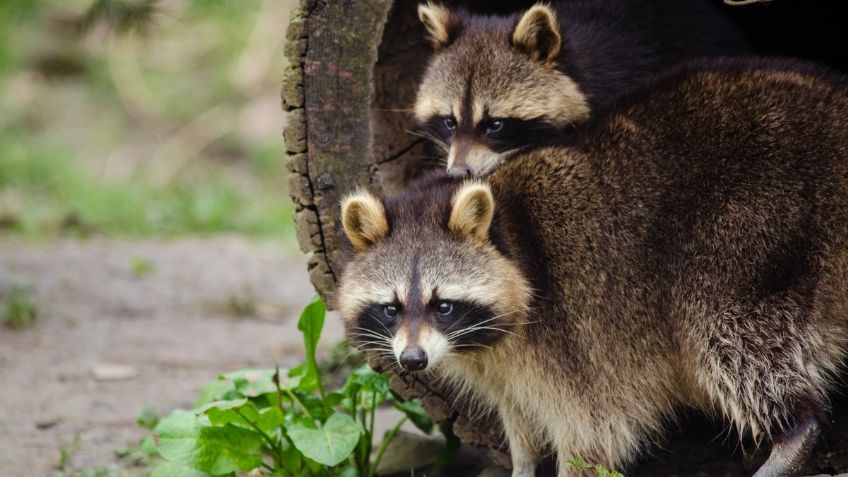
[[690, 248], [496, 84]]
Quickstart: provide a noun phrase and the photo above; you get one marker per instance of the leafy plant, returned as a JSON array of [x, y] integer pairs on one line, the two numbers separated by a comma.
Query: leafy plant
[[579, 465], [17, 309], [242, 304], [283, 422], [140, 267]]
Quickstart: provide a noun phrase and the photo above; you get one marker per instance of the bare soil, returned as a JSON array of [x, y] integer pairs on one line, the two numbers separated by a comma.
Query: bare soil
[[109, 340]]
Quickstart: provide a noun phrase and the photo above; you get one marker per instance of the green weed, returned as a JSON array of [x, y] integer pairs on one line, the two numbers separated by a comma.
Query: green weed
[[283, 422], [140, 267], [579, 465], [95, 136], [242, 305], [17, 309], [43, 191]]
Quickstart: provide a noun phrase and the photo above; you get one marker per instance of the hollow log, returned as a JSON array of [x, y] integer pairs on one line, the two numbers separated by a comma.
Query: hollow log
[[348, 89]]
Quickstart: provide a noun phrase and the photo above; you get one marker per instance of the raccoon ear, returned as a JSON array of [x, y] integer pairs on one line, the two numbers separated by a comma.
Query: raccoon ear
[[537, 34], [473, 207], [364, 220], [442, 26]]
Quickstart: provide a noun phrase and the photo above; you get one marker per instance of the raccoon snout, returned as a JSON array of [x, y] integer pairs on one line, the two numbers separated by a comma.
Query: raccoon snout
[[413, 358]]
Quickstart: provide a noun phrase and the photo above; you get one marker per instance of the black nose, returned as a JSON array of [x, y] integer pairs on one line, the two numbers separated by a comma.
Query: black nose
[[413, 359], [461, 170]]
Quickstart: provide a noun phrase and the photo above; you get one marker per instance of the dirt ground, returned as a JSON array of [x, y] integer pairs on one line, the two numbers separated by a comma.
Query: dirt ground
[[110, 340]]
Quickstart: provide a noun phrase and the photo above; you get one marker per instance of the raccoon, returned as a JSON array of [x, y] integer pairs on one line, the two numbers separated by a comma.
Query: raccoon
[[496, 84], [688, 249]]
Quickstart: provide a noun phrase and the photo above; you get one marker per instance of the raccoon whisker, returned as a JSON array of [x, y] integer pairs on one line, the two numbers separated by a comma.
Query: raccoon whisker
[[374, 333], [380, 343], [431, 137], [353, 349], [381, 323], [457, 321], [473, 345], [371, 334], [481, 323], [492, 328], [366, 340], [377, 350]]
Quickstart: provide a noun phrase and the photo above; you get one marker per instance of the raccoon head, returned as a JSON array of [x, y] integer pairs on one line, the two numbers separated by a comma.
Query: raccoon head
[[425, 285], [493, 85]]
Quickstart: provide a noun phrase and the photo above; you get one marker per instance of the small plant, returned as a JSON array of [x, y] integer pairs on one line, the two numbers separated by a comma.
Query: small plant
[[283, 423], [17, 309], [144, 453], [242, 305], [140, 267], [579, 465]]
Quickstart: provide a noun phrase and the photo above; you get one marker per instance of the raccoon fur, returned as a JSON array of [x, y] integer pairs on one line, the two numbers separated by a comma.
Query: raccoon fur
[[688, 249], [496, 84]]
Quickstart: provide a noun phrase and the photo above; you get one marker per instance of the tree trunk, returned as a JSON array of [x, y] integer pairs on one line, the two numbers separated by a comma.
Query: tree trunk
[[351, 81]]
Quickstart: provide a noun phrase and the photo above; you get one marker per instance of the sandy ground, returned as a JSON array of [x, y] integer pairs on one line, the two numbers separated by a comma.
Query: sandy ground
[[108, 343]]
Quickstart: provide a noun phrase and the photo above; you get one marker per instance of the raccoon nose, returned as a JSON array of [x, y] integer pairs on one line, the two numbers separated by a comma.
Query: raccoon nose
[[460, 170], [413, 359]]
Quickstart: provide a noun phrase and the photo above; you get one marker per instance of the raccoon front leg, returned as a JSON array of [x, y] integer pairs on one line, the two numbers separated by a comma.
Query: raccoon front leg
[[524, 444], [791, 449]]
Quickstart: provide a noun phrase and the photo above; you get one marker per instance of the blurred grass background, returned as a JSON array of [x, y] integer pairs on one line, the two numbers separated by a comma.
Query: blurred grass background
[[142, 118]]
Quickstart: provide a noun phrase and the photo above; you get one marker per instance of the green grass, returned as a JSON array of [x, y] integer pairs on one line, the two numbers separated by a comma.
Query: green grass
[[115, 104], [45, 191], [17, 309]]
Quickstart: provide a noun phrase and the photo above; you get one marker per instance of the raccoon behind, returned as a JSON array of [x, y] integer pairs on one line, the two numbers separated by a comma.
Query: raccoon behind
[[690, 248], [495, 84]]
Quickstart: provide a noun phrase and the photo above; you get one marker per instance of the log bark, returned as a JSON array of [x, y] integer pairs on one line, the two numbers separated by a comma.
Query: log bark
[[348, 89]]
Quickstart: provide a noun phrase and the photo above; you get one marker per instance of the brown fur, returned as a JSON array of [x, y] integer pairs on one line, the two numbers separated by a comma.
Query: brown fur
[[689, 248], [545, 70]]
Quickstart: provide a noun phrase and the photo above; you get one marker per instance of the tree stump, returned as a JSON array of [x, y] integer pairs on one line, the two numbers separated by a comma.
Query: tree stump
[[348, 91]]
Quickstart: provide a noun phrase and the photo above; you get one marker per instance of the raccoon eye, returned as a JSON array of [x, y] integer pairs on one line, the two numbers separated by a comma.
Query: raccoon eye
[[445, 307], [450, 124], [495, 127], [390, 311]]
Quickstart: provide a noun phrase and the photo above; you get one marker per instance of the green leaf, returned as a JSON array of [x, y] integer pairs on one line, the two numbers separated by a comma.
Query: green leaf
[[306, 380], [310, 324], [148, 418], [452, 444], [243, 413], [147, 447], [222, 405], [253, 382], [188, 439], [334, 399], [172, 469], [416, 414], [329, 445], [292, 458], [216, 391], [369, 379], [348, 471]]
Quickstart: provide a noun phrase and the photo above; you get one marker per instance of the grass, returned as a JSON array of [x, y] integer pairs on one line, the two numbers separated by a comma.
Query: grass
[[17, 310], [140, 267], [141, 132], [45, 191], [242, 305]]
